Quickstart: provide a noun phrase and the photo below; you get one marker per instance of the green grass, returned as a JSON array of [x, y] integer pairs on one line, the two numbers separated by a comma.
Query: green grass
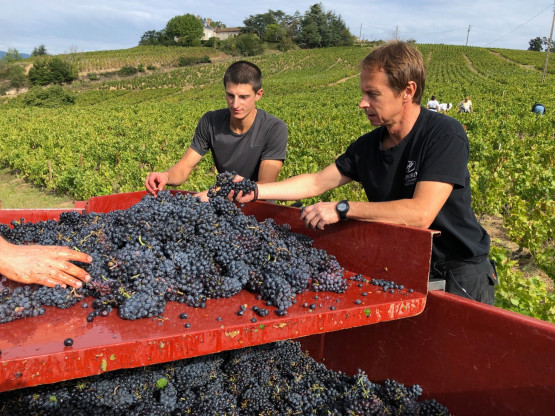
[[16, 193]]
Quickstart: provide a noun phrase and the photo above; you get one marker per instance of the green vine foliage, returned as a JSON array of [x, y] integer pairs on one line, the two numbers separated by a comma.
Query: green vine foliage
[[119, 130], [519, 294]]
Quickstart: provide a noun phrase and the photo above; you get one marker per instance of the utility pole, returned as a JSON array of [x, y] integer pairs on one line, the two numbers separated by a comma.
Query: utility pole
[[467, 33], [548, 45], [360, 36], [396, 34]]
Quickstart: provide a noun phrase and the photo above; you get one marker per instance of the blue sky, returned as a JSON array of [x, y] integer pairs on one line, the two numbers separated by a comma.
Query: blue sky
[[78, 25]]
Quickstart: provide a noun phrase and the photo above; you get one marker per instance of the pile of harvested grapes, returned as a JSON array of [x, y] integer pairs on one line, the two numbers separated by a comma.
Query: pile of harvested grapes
[[273, 379], [174, 248]]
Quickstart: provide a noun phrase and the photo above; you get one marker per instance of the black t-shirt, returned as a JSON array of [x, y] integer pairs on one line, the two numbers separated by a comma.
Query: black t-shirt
[[265, 140], [436, 149]]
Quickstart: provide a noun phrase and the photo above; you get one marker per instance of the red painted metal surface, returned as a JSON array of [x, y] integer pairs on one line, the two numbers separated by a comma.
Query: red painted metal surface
[[474, 358], [33, 215], [33, 351]]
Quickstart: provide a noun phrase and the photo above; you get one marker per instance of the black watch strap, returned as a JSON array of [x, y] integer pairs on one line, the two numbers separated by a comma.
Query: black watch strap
[[342, 208]]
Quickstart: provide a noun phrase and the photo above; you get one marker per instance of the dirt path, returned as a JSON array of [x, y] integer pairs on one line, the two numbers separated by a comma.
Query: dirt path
[[469, 63], [529, 67]]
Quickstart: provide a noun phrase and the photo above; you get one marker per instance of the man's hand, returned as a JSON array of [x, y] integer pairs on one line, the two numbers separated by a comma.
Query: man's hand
[[319, 215], [44, 265], [203, 196], [239, 196], [156, 181]]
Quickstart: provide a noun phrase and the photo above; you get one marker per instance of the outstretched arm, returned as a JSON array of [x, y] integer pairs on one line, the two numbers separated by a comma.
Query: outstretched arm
[[298, 187], [45, 265]]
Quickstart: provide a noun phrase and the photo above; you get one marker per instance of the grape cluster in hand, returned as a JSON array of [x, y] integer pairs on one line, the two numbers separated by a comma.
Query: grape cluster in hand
[[173, 248], [272, 379], [224, 185]]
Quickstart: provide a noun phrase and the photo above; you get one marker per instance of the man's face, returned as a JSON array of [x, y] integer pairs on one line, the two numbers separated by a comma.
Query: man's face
[[380, 103], [241, 99]]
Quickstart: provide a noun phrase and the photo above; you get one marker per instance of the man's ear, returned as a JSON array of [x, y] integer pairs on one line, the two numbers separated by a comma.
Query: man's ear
[[258, 94], [410, 90]]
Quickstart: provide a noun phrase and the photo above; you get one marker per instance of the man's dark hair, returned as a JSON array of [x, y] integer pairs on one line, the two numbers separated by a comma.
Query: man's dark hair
[[243, 72]]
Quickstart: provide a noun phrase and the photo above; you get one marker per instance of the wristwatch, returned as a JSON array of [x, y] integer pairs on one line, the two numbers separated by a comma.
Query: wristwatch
[[342, 208]]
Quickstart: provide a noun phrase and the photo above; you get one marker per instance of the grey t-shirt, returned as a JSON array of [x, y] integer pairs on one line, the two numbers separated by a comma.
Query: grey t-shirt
[[242, 153]]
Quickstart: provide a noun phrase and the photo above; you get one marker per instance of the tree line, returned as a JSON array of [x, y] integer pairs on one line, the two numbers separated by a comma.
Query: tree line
[[316, 28], [540, 44]]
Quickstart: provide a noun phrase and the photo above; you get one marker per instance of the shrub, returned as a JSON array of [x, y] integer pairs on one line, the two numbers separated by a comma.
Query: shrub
[[151, 67], [141, 68], [127, 71], [286, 44], [50, 97], [249, 45], [15, 76], [52, 71], [213, 42], [191, 60], [93, 76]]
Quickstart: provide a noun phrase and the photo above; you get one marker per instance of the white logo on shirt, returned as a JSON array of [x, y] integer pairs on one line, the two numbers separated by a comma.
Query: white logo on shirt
[[411, 173]]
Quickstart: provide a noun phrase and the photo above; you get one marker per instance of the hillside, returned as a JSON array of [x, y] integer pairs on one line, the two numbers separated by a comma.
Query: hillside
[[23, 55]]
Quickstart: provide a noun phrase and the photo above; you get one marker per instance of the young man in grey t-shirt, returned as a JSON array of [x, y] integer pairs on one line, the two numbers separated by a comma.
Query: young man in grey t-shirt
[[241, 137]]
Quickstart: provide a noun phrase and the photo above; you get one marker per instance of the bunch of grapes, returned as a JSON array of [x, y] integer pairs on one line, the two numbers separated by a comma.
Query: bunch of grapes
[[272, 379], [173, 248], [225, 184]]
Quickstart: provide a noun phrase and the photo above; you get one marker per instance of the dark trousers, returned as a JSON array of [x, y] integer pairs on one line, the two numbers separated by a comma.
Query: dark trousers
[[474, 281]]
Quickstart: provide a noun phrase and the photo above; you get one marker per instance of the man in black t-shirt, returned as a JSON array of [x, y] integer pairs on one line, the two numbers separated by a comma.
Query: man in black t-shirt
[[413, 168], [241, 137]]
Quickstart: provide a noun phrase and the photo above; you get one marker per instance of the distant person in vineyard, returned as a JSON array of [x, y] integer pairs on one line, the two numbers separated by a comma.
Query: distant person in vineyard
[[445, 107], [538, 109], [241, 137], [433, 104], [413, 168], [44, 265], [465, 106]]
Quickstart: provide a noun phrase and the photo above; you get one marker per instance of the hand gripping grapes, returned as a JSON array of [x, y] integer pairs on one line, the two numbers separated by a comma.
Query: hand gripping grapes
[[315, 216]]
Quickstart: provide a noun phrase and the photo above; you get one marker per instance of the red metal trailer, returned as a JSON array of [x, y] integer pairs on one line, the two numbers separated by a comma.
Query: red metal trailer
[[474, 358]]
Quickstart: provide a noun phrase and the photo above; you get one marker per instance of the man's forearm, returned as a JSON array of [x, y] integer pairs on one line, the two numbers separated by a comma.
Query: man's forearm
[[418, 211], [392, 212], [297, 187], [307, 185]]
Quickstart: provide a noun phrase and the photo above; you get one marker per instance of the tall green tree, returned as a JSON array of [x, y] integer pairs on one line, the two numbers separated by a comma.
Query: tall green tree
[[12, 55], [155, 37], [259, 23], [39, 51], [320, 29], [535, 44], [187, 30]]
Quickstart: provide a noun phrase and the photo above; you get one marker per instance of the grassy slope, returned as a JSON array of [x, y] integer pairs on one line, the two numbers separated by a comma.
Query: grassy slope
[[16, 193]]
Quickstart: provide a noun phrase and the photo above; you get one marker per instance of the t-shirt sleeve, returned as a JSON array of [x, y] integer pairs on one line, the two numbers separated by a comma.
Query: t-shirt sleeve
[[446, 160], [201, 139], [346, 163], [276, 143]]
